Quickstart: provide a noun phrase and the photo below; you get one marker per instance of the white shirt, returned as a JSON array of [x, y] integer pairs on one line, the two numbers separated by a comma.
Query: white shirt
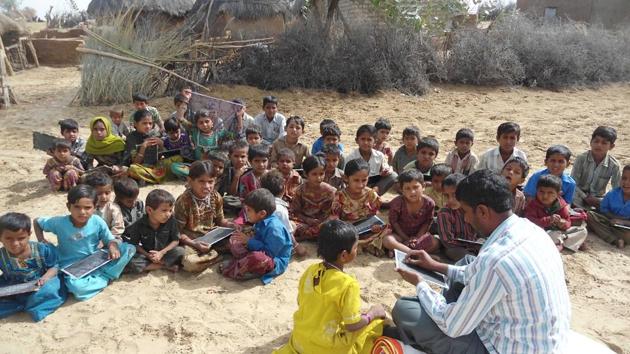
[[282, 212], [271, 130], [378, 161], [492, 160]]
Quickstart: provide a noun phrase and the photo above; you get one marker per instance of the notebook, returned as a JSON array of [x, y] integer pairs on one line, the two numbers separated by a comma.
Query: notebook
[[431, 277], [87, 265], [215, 235], [364, 227], [16, 289]]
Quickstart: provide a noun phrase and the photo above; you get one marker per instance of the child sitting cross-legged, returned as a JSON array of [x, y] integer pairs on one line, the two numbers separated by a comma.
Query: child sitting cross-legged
[[266, 254], [329, 317], [62, 170], [285, 162], [383, 128], [156, 236], [557, 160], [105, 206], [439, 171], [177, 139], [462, 159], [333, 175], [614, 210], [515, 171], [258, 156], [22, 261], [407, 152], [219, 159], [549, 211], [70, 133], [205, 136], [508, 135], [427, 151], [132, 209], [381, 176], [291, 140], [410, 216]]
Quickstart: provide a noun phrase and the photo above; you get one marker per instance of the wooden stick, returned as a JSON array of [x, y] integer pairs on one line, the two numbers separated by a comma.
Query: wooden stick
[[3, 85], [7, 62], [31, 47]]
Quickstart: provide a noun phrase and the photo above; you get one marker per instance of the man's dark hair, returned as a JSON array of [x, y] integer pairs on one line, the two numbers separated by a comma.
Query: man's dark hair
[[68, 124], [453, 180], [261, 199], [519, 160], [605, 132], [626, 168], [441, 169], [126, 188], [507, 128], [335, 236], [354, 166], [157, 197], [237, 145], [15, 222], [201, 168], [325, 122], [382, 123], [429, 142], [550, 181], [98, 179], [465, 133], [487, 188], [258, 150], [366, 128], [286, 152], [61, 144], [139, 97], [295, 119], [273, 181]]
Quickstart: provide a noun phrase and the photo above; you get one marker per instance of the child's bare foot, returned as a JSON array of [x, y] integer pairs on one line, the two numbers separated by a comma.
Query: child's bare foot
[[621, 243], [173, 269], [584, 247], [300, 251]]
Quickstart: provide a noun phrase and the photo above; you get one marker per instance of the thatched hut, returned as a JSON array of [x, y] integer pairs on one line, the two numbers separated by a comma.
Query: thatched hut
[[170, 10], [10, 30]]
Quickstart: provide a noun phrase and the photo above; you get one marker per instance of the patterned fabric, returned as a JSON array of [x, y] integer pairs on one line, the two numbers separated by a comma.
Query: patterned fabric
[[247, 265], [155, 174], [541, 215], [63, 175], [292, 182], [183, 144], [195, 217], [438, 198], [131, 215], [568, 185], [349, 209], [110, 212], [299, 149], [248, 182], [592, 178], [335, 179], [615, 203], [411, 223], [312, 203], [515, 296], [77, 148], [402, 159], [206, 143], [492, 160], [465, 165], [271, 130], [385, 149], [451, 225]]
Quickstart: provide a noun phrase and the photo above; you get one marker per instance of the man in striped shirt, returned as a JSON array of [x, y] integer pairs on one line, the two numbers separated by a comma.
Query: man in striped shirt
[[514, 297]]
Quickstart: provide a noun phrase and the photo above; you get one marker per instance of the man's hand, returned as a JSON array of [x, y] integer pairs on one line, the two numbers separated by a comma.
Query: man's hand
[[421, 259], [412, 278]]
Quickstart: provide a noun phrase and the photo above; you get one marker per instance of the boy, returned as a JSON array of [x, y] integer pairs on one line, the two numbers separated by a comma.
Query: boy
[[119, 127], [156, 236], [427, 151], [126, 191], [219, 159], [381, 176], [70, 133], [614, 210], [557, 159], [434, 191], [258, 157], [515, 171], [508, 135], [238, 166], [182, 114], [140, 102], [329, 134], [253, 136], [271, 122], [462, 159], [383, 128], [267, 253], [593, 169], [332, 174], [240, 121], [407, 152], [176, 139], [291, 140], [292, 178], [105, 206], [549, 211]]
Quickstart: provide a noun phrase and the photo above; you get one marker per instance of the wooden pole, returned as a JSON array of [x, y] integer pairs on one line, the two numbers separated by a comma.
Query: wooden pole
[[31, 47], [9, 67], [3, 85]]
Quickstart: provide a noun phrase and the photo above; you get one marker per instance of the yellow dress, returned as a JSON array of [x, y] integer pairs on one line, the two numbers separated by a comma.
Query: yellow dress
[[327, 300]]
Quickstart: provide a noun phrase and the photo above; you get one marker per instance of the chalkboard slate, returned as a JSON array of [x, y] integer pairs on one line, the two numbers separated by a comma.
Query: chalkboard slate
[[16, 289], [88, 264], [364, 227], [215, 235], [429, 276]]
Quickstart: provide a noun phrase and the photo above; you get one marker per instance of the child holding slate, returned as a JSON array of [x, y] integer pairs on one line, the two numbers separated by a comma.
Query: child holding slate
[[78, 236], [613, 221], [24, 261], [329, 317]]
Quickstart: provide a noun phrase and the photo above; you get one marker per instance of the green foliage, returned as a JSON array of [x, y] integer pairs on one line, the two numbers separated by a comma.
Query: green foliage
[[10, 5]]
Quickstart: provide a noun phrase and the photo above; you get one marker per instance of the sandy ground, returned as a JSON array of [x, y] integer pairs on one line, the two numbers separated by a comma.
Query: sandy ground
[[204, 312]]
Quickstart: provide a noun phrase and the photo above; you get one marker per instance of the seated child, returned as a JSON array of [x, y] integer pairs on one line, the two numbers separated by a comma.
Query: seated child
[[63, 169], [329, 318], [253, 136], [291, 140], [22, 261], [407, 152], [120, 128], [313, 200], [411, 216], [258, 157], [271, 122], [240, 121], [292, 178], [70, 133], [329, 134], [197, 211], [78, 236], [381, 177], [105, 206], [218, 159], [508, 135], [156, 236], [515, 171], [596, 167], [183, 115], [439, 171], [126, 191], [106, 148], [557, 160], [141, 103], [427, 151], [237, 167], [462, 159], [614, 209], [383, 128], [549, 211], [205, 136], [267, 253], [176, 139], [333, 175]]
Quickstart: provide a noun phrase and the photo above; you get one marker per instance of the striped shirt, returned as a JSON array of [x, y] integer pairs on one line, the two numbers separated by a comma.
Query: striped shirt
[[592, 178], [515, 296], [451, 225]]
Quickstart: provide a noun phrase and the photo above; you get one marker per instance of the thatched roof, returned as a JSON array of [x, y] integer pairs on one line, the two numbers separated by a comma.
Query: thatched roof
[[174, 8], [8, 25], [251, 9]]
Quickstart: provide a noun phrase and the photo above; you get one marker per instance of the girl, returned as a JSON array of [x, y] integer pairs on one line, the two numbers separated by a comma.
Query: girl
[[63, 170], [285, 163], [105, 147], [411, 215], [329, 318], [312, 202], [22, 261], [78, 236], [197, 211], [204, 137]]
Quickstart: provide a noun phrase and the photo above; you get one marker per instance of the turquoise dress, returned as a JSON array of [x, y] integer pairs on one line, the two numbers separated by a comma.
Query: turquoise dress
[[203, 143], [75, 244], [38, 304]]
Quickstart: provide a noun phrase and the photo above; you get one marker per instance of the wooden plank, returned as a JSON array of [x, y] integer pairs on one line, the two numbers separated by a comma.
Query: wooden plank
[[31, 47], [7, 62]]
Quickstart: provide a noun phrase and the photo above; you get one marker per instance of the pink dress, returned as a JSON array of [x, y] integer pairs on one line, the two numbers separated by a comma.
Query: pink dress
[[410, 223]]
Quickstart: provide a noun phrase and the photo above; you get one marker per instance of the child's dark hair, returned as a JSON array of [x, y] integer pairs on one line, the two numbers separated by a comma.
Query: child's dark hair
[[98, 179], [139, 97], [507, 128], [519, 160], [331, 149], [253, 129], [258, 150], [441, 169], [550, 181], [81, 191], [606, 133], [200, 168], [464, 133], [429, 142], [411, 130], [68, 124], [326, 122], [261, 199], [626, 168], [295, 119], [453, 180], [366, 128], [270, 99], [179, 98], [15, 222], [410, 176], [331, 130], [485, 187], [286, 152], [171, 125], [559, 150], [157, 197], [239, 101], [354, 166], [201, 113], [141, 114], [313, 162], [126, 188], [335, 236], [218, 156], [61, 144], [237, 145], [273, 181], [383, 123]]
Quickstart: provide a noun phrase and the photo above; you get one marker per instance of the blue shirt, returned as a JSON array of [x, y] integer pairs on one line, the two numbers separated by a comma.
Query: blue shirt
[[318, 145], [43, 257], [568, 185], [614, 203], [272, 237], [74, 243]]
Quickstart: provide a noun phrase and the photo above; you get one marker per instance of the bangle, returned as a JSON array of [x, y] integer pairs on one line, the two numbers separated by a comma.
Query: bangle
[[367, 317]]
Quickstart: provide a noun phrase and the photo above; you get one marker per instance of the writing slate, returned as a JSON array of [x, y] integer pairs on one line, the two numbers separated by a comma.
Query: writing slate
[[429, 276], [87, 265], [215, 235], [622, 226], [16, 289], [469, 242], [43, 141], [364, 227]]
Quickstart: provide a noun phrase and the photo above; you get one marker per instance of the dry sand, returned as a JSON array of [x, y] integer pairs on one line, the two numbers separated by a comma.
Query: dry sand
[[161, 312]]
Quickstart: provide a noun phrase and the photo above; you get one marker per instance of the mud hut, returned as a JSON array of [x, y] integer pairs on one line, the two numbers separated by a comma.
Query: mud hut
[[172, 11], [10, 30]]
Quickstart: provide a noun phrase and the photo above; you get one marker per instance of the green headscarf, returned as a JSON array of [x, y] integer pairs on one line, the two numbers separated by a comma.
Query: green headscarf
[[111, 144]]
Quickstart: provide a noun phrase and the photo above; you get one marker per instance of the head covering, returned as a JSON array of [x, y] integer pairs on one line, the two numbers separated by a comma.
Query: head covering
[[111, 144]]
